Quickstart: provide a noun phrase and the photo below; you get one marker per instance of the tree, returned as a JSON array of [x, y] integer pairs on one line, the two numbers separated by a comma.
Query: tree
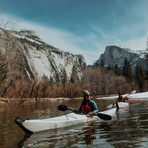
[[117, 70], [57, 79], [64, 77], [139, 76], [102, 63], [96, 64], [51, 82], [74, 75], [146, 59], [127, 70], [109, 67], [2, 68]]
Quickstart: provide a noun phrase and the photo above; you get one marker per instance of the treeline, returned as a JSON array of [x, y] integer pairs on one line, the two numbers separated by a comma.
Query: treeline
[[98, 79], [138, 76]]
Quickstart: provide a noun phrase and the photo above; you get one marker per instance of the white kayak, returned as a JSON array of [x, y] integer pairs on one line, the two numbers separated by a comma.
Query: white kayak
[[36, 125], [120, 105]]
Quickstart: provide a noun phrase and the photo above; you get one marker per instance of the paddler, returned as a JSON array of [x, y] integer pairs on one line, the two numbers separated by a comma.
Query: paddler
[[88, 105], [121, 98]]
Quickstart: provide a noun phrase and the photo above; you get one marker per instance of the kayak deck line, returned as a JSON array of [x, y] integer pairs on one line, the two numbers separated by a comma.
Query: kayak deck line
[[71, 116]]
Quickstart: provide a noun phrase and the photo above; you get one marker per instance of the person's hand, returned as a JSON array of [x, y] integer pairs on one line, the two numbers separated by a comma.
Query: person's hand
[[77, 111], [73, 110], [89, 114]]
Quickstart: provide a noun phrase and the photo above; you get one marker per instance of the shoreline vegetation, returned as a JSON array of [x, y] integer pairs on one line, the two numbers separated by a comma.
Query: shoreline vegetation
[[26, 101]]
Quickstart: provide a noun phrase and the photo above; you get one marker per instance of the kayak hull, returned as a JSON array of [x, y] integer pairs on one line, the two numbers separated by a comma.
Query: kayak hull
[[30, 126], [37, 125]]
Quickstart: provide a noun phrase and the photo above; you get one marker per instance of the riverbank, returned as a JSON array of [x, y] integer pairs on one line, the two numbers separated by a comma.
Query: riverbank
[[26, 101]]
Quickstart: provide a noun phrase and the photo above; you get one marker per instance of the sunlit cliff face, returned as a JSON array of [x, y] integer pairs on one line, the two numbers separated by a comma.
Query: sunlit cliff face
[[29, 55]]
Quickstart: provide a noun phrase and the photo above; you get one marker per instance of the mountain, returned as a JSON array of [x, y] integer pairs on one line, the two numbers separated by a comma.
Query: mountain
[[116, 55], [25, 53]]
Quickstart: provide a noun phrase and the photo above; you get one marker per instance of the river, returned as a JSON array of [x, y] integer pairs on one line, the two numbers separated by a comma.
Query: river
[[128, 129]]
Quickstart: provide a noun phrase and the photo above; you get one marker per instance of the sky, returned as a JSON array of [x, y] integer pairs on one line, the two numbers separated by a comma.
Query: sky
[[82, 26]]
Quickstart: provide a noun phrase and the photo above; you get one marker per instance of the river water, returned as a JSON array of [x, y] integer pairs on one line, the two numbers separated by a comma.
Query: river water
[[127, 129]]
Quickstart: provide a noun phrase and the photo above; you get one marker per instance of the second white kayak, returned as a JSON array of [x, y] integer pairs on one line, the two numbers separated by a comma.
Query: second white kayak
[[120, 104]]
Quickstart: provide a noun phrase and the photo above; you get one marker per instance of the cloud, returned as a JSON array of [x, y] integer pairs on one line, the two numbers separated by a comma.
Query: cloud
[[97, 30], [137, 44], [63, 40], [92, 43]]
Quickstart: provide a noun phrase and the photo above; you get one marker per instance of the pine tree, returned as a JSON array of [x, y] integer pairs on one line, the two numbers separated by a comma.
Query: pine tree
[[96, 64], [109, 67], [127, 70], [74, 75], [51, 82], [2, 69], [102, 63], [64, 77], [117, 70], [57, 79], [146, 59], [139, 76]]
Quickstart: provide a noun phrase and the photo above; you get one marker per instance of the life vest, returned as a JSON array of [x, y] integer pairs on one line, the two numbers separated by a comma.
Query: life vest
[[126, 98], [86, 108], [120, 99]]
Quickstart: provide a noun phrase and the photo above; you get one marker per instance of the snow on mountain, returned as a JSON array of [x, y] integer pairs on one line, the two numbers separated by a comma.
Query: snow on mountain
[[37, 58], [116, 55]]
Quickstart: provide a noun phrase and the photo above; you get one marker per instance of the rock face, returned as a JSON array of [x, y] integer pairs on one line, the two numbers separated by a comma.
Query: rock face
[[25, 52], [116, 55]]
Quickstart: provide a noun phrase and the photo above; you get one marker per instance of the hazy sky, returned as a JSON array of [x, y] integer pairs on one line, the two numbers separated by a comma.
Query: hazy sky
[[82, 26]]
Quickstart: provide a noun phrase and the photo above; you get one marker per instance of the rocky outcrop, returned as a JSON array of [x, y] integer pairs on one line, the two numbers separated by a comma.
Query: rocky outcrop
[[116, 55], [26, 54]]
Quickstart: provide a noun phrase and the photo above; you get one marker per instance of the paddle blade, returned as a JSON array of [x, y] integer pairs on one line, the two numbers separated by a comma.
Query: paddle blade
[[133, 92], [109, 106], [104, 116], [62, 107]]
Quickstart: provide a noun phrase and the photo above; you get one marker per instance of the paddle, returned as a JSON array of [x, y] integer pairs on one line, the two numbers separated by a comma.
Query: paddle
[[100, 115], [112, 105], [133, 92]]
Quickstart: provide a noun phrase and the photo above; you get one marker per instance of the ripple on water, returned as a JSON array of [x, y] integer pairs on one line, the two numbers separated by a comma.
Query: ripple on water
[[128, 128]]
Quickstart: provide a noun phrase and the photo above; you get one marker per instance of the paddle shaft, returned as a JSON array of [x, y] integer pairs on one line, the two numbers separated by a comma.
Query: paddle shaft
[[100, 115], [133, 92]]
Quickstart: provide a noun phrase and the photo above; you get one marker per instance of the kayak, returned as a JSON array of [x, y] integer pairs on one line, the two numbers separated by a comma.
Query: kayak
[[30, 126], [120, 105]]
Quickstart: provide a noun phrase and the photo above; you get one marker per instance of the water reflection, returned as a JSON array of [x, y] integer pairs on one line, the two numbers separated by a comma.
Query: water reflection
[[129, 128], [52, 138]]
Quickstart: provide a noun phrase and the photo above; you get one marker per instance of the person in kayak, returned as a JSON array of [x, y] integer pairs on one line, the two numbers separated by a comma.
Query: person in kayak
[[121, 98], [88, 105]]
